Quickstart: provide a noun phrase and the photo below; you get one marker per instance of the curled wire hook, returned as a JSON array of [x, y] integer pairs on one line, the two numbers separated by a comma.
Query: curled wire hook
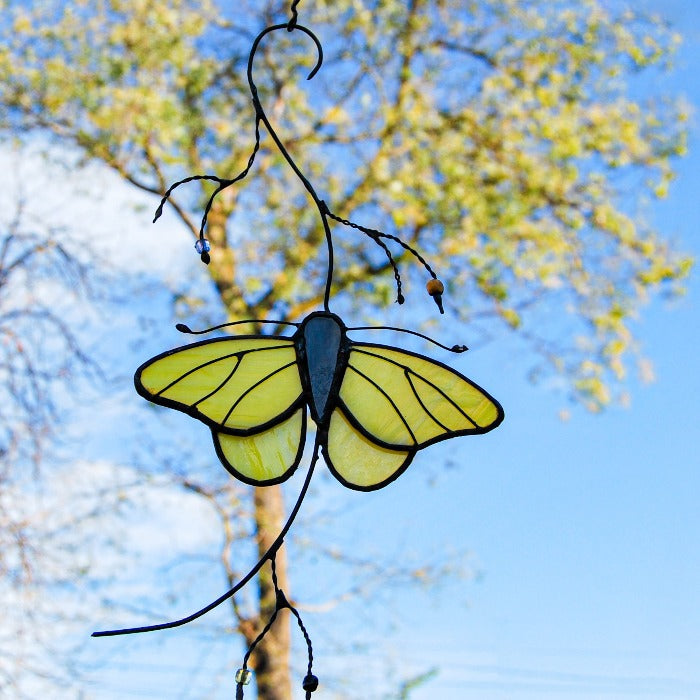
[[272, 28], [261, 116]]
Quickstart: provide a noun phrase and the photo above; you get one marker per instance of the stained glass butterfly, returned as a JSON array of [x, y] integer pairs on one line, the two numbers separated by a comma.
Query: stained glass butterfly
[[374, 406]]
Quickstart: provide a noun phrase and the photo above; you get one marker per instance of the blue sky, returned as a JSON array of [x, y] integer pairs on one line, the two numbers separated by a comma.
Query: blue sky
[[588, 530], [585, 533]]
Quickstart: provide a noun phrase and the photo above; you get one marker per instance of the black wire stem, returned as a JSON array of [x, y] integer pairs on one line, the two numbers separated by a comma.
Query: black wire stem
[[293, 21], [232, 591], [281, 603], [260, 114]]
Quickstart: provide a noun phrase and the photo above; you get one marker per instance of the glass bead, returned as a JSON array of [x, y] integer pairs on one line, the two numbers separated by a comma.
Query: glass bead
[[243, 676], [202, 246], [310, 682], [435, 287]]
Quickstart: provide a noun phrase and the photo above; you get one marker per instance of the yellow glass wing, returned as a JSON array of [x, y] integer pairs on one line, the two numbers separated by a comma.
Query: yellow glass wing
[[356, 461], [267, 457], [235, 385], [391, 404], [404, 400]]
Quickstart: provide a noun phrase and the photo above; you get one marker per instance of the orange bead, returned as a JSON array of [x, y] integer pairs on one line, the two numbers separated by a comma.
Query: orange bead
[[435, 287]]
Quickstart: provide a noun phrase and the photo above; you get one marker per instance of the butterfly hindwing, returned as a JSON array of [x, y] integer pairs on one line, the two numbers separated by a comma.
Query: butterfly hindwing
[[392, 403], [358, 462], [265, 458], [247, 390]]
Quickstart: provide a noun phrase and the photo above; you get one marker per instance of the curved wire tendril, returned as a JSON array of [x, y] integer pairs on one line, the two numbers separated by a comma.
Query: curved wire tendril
[[243, 581], [310, 682], [323, 209]]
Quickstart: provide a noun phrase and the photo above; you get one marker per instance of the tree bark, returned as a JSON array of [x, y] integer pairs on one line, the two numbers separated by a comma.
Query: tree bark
[[271, 657], [222, 267]]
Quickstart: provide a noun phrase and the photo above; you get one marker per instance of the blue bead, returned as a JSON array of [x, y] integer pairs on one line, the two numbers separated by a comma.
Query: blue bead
[[202, 246]]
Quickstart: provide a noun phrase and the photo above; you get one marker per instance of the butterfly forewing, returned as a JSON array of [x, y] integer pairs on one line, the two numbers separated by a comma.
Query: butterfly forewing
[[406, 400], [235, 385]]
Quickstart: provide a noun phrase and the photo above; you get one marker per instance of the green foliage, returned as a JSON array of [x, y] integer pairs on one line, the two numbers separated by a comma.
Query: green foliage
[[407, 687], [502, 137]]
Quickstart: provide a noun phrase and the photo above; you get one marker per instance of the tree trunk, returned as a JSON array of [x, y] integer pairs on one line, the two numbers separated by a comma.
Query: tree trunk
[[270, 661], [271, 657], [222, 267]]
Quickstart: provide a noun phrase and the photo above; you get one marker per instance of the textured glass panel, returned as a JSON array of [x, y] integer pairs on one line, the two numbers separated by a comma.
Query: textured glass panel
[[482, 411], [257, 372], [357, 460], [267, 400], [373, 410], [236, 383], [409, 423], [469, 398], [399, 384], [443, 410], [267, 455], [172, 367], [187, 379]]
